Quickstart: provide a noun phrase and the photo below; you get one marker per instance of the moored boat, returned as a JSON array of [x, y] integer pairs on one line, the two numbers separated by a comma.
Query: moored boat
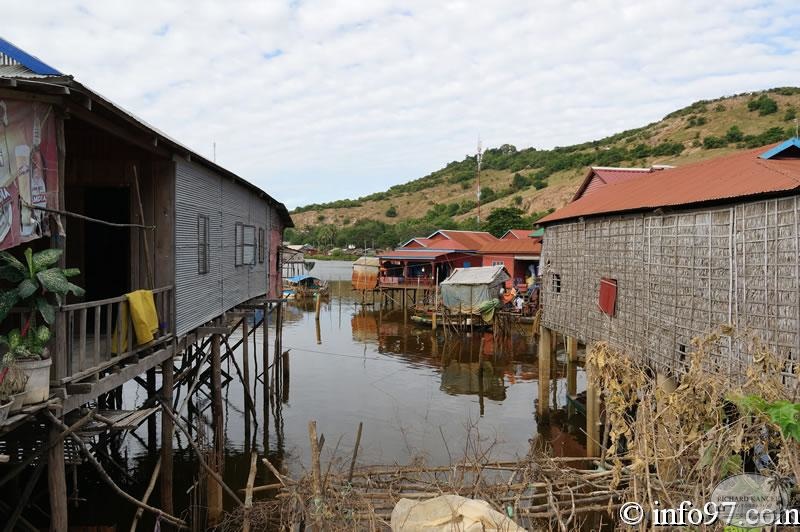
[[302, 286]]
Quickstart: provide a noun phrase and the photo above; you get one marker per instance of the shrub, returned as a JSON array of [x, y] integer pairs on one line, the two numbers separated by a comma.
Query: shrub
[[487, 194], [517, 200], [719, 108], [391, 212], [734, 134], [520, 181], [320, 217], [763, 104], [712, 142], [791, 114]]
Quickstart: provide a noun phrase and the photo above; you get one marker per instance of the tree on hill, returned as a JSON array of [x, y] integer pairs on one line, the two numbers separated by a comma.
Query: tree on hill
[[501, 220], [763, 104], [391, 212]]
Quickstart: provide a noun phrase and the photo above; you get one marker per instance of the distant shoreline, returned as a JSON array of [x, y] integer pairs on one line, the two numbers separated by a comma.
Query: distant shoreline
[[350, 258]]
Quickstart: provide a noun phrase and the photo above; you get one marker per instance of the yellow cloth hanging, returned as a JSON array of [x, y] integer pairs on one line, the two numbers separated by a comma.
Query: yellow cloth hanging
[[144, 317]]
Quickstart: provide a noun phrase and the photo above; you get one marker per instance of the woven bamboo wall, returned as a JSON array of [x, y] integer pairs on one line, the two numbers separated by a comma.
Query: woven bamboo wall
[[679, 276]]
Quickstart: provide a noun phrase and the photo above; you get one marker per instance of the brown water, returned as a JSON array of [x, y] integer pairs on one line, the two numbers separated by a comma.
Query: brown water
[[419, 397]]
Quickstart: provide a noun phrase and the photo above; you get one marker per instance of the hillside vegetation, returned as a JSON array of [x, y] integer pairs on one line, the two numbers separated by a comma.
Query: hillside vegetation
[[523, 184]]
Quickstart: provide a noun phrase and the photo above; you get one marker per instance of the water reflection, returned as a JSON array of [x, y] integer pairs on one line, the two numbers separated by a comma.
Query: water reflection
[[419, 394]]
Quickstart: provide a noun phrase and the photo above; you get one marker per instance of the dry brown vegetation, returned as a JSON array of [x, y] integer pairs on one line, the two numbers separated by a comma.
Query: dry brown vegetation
[[719, 116]]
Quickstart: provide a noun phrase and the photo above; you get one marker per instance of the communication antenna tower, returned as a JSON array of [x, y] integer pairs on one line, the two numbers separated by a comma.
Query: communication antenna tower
[[478, 179]]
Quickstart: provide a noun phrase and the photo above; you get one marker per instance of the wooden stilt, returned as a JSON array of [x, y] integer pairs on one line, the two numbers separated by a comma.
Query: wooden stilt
[[214, 491], [167, 430], [572, 372], [151, 421], [57, 482], [285, 379], [545, 350], [592, 416], [246, 369]]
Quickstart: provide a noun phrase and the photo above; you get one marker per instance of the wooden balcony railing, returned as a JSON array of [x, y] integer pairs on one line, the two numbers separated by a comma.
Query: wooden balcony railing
[[91, 345], [405, 282]]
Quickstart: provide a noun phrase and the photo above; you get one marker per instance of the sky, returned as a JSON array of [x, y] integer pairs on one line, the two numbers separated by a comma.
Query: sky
[[322, 100]]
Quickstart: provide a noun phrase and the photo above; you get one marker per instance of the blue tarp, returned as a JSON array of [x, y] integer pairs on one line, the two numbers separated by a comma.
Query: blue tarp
[[297, 278]]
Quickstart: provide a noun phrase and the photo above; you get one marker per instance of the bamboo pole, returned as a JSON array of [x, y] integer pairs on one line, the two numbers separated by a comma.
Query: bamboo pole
[[248, 498], [148, 269], [355, 451], [315, 471], [108, 480]]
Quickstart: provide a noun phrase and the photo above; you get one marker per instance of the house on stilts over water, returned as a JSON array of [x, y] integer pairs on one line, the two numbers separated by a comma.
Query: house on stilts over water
[[654, 260], [132, 209]]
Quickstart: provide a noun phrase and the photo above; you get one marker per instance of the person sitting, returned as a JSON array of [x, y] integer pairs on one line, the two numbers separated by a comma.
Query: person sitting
[[518, 303]]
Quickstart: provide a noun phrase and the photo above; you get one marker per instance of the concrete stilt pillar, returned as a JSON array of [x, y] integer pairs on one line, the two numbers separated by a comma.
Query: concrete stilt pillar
[[545, 349]]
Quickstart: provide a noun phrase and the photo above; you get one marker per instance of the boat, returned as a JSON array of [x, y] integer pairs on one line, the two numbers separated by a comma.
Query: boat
[[302, 286]]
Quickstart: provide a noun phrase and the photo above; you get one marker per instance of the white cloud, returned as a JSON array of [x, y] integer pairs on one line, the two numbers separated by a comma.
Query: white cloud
[[316, 100]]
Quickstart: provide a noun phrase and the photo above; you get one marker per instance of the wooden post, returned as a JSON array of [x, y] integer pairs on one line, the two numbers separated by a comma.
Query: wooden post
[[285, 380], [435, 304], [246, 362], [151, 421], [315, 472], [545, 349], [214, 491], [57, 482], [318, 304], [265, 349], [572, 373], [167, 429], [592, 415]]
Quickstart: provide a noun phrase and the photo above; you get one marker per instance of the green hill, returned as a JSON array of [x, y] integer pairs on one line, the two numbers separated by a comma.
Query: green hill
[[535, 181]]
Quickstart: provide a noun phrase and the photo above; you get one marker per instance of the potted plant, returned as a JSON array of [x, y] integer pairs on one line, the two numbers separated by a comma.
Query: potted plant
[[38, 286], [12, 383]]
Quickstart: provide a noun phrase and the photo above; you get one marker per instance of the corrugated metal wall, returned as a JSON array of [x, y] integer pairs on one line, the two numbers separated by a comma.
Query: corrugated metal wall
[[202, 297]]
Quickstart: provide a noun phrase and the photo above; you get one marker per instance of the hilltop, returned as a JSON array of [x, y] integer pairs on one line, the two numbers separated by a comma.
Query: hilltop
[[535, 181]]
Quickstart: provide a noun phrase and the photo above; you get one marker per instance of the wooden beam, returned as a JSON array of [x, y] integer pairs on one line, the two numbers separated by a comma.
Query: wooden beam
[[208, 331], [119, 378], [144, 141]]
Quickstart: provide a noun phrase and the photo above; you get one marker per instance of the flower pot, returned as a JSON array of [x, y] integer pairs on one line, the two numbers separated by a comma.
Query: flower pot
[[4, 410], [38, 372], [17, 402]]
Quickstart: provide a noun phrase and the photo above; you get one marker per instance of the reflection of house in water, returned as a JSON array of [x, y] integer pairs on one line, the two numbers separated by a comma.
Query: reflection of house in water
[[473, 378]]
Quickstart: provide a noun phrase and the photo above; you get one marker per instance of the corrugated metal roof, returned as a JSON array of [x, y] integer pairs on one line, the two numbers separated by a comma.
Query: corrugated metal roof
[[600, 176], [528, 245], [468, 240], [482, 275], [739, 175], [516, 233], [413, 254]]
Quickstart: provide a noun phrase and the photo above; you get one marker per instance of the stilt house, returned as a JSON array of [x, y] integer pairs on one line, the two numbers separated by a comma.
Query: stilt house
[[132, 208], [655, 260]]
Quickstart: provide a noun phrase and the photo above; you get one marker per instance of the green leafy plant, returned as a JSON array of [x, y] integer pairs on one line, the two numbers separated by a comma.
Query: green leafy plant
[[39, 286], [784, 414]]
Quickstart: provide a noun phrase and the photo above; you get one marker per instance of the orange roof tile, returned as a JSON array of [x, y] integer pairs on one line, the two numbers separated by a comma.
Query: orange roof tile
[[738, 175]]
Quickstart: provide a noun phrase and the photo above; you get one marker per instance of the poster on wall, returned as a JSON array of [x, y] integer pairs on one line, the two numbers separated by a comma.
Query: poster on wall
[[28, 170]]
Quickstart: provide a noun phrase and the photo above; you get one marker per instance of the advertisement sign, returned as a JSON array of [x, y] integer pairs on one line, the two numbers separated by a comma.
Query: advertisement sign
[[28, 170]]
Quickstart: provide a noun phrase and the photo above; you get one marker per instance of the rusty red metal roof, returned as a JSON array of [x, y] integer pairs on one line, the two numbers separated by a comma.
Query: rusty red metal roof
[[512, 234], [600, 176], [413, 254], [528, 246], [470, 240], [739, 175]]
